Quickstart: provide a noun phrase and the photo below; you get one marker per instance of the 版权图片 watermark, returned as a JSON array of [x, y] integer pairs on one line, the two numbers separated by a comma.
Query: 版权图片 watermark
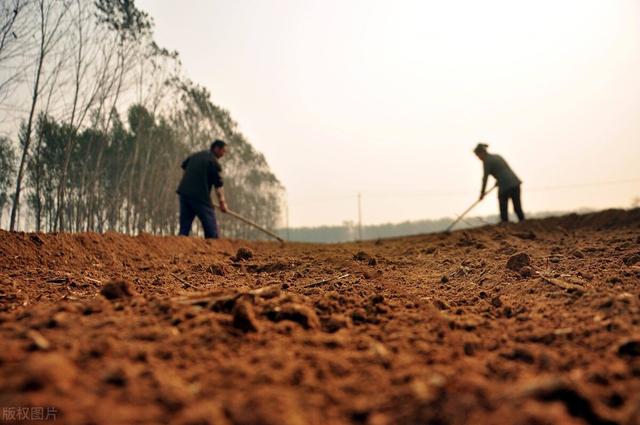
[[35, 413]]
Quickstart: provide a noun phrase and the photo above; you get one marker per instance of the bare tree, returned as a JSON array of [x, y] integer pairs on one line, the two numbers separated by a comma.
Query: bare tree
[[16, 47], [8, 15], [50, 16], [85, 91]]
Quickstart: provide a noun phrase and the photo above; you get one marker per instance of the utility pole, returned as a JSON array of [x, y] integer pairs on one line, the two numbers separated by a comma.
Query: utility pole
[[288, 235], [359, 216]]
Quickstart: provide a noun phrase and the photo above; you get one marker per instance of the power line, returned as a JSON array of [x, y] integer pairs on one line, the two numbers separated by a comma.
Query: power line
[[574, 186], [466, 193]]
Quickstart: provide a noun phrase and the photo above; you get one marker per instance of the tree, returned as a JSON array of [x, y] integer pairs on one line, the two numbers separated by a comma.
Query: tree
[[7, 171], [49, 18]]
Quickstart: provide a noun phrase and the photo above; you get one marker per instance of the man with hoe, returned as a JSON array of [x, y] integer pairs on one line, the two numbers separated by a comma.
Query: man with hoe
[[202, 171], [508, 183]]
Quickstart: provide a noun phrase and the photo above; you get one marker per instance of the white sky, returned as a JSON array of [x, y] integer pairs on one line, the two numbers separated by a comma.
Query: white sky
[[388, 98]]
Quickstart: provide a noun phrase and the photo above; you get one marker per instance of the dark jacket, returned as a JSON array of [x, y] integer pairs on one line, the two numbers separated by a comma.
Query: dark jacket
[[496, 166], [201, 171]]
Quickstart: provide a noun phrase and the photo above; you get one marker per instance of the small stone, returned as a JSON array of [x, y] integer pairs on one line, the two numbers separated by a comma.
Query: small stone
[[243, 317], [430, 250], [117, 290], [243, 254], [444, 279], [372, 261], [518, 261]]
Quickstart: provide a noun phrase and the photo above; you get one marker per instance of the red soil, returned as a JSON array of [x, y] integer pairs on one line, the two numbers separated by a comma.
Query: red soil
[[111, 329]]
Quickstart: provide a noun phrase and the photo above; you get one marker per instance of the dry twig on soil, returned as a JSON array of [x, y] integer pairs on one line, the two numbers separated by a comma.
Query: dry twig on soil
[[183, 281], [322, 282], [563, 284]]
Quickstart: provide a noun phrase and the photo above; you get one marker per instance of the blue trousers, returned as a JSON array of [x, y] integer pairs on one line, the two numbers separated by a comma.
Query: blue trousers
[[189, 209]]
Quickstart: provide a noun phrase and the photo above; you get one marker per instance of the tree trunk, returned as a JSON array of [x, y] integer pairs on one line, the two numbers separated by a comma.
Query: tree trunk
[[27, 141]]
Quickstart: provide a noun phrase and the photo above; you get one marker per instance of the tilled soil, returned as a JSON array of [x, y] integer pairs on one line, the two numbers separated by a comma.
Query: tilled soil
[[536, 323]]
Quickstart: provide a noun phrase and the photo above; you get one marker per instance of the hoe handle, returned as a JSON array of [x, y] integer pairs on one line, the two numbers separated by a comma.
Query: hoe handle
[[251, 223], [461, 216]]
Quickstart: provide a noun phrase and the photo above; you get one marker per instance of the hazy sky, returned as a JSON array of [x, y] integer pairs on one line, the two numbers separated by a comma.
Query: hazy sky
[[388, 98]]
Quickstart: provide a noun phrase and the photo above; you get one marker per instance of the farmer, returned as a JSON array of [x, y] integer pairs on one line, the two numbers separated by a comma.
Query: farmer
[[201, 171], [508, 183]]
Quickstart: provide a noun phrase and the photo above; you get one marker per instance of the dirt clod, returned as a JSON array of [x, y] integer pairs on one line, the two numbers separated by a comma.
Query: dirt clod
[[632, 259], [526, 235], [117, 290], [362, 256], [578, 254], [336, 322], [629, 348], [496, 302], [376, 299], [517, 261], [526, 271], [301, 314], [243, 254], [116, 377], [217, 269], [244, 317]]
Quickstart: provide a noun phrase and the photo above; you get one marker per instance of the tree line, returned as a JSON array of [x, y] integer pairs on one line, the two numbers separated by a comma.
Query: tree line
[[348, 231], [96, 119]]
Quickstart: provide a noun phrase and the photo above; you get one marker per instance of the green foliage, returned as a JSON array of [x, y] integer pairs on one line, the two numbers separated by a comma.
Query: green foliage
[[7, 170], [125, 179]]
